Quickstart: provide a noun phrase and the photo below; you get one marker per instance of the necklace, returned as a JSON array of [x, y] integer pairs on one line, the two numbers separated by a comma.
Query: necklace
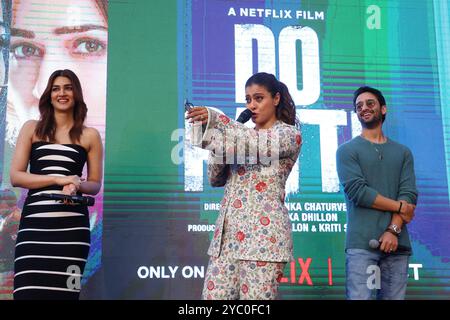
[[377, 147], [378, 150]]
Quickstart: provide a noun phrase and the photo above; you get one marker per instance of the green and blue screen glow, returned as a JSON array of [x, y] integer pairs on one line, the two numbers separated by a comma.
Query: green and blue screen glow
[[158, 210]]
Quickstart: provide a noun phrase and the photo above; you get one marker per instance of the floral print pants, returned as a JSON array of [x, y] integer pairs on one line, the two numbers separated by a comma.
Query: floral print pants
[[230, 279]]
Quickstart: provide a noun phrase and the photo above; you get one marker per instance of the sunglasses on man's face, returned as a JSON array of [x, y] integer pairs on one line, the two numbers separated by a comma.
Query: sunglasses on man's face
[[370, 103]]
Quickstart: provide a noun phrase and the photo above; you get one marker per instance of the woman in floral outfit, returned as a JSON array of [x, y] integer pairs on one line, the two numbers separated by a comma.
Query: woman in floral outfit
[[252, 240]]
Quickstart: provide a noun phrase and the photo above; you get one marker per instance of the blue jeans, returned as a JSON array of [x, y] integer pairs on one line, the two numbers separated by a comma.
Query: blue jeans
[[370, 271]]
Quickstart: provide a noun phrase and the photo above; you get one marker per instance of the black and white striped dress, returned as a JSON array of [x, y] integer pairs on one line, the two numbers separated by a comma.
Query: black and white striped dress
[[54, 239]]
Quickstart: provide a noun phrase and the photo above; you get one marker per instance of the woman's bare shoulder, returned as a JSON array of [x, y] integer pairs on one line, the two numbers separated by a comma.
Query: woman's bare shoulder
[[30, 125], [90, 137], [29, 128], [91, 133]]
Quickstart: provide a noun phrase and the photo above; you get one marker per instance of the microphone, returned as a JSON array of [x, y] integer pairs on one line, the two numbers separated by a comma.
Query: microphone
[[244, 116], [88, 201], [375, 244]]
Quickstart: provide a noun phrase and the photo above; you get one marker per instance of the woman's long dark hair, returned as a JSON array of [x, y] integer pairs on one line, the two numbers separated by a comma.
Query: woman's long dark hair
[[286, 108], [46, 127]]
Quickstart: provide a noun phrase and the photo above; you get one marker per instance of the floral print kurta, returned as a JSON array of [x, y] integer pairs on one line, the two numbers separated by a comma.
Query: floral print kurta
[[253, 201]]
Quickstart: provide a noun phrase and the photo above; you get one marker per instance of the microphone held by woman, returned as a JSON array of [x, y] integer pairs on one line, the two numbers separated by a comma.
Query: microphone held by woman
[[245, 116], [85, 200]]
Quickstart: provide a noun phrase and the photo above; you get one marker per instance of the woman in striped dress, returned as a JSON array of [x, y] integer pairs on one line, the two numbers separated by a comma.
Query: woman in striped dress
[[54, 238]]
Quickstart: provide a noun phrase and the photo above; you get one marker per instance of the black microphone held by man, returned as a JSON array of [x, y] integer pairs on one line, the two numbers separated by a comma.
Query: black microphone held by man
[[375, 244]]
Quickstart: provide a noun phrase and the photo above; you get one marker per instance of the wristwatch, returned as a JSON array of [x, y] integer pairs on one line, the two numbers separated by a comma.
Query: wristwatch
[[395, 228]]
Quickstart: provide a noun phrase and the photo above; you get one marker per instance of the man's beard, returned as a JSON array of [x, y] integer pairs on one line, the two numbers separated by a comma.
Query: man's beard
[[375, 122]]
